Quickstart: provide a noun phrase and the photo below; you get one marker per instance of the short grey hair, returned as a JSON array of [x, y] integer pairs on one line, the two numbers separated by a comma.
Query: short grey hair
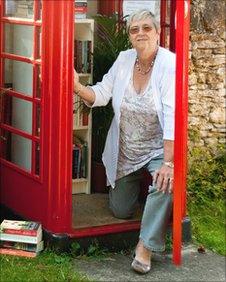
[[142, 15]]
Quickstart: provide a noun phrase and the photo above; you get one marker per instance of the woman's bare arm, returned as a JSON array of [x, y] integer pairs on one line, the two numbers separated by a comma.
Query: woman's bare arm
[[87, 94]]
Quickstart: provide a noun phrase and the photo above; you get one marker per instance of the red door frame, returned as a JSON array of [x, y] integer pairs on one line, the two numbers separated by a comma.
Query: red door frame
[[181, 123], [57, 56]]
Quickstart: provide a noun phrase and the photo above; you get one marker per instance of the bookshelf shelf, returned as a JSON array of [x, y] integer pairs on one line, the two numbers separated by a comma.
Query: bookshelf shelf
[[82, 122], [85, 75], [85, 127], [85, 21], [77, 180]]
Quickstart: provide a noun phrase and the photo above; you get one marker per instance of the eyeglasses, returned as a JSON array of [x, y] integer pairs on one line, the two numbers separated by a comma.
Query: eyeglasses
[[136, 29]]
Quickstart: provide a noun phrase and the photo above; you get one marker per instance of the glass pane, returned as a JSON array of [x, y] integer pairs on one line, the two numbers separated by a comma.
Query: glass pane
[[37, 158], [19, 75], [19, 9], [16, 149], [18, 113], [19, 39]]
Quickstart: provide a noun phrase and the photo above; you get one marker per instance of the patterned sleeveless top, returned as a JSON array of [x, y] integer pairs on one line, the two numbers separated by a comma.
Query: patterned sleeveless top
[[141, 135]]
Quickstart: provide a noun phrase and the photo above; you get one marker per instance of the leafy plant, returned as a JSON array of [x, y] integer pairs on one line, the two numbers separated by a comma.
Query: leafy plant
[[95, 250], [206, 189], [75, 249], [207, 174], [111, 38]]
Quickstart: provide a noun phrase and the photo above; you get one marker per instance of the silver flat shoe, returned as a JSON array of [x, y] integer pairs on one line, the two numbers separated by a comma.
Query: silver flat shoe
[[140, 267]]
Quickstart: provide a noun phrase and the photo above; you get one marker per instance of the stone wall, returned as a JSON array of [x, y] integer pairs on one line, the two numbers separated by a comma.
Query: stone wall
[[207, 71]]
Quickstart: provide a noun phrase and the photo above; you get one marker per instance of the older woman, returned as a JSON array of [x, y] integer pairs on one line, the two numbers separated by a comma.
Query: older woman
[[141, 84]]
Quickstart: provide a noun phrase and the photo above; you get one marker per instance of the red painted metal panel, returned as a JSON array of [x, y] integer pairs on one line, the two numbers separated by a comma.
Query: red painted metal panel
[[172, 25], [180, 158], [57, 83], [105, 229], [21, 21], [17, 57], [185, 100], [163, 23], [22, 194], [21, 96], [106, 7], [120, 8], [19, 132], [19, 170]]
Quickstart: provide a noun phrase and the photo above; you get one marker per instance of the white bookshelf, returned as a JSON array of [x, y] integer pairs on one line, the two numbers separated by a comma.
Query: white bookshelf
[[84, 31]]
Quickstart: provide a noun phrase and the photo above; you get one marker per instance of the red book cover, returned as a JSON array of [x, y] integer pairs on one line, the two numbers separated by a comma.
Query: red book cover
[[82, 9], [20, 253], [85, 119], [20, 227]]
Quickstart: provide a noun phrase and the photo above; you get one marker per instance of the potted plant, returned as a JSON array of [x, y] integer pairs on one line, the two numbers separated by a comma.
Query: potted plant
[[110, 39]]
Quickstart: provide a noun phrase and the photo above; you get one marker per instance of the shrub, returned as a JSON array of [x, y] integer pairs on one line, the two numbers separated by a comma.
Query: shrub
[[206, 174]]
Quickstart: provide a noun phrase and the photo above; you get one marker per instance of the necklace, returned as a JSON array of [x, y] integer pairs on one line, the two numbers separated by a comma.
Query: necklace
[[144, 72]]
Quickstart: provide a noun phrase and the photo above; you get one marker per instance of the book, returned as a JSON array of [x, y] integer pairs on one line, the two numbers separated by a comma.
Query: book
[[75, 161], [23, 246], [21, 231], [15, 252], [82, 158], [81, 9], [83, 56], [20, 227], [21, 238], [84, 162]]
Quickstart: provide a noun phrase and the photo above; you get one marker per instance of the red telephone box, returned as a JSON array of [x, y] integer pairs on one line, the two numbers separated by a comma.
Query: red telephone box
[[36, 77]]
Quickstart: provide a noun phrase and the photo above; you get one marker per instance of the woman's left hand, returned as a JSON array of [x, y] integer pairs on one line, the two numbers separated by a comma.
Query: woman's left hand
[[163, 179]]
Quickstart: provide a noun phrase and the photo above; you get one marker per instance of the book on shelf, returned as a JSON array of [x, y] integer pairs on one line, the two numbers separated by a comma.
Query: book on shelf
[[80, 116], [79, 159], [80, 9], [82, 56], [76, 155], [21, 231]]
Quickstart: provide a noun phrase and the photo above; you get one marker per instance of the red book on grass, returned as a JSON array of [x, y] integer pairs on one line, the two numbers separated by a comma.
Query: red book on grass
[[19, 253], [20, 227]]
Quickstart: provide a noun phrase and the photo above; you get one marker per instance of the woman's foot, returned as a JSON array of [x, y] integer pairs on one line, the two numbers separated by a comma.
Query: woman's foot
[[142, 260]]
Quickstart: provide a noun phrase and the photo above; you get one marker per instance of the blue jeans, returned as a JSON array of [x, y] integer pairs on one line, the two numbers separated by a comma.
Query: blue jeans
[[123, 201]]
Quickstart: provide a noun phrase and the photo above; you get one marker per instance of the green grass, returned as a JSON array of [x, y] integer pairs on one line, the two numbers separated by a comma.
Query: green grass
[[208, 225], [206, 193], [48, 266]]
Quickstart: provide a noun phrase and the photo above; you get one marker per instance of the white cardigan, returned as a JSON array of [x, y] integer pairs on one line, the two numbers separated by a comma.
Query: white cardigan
[[113, 86]]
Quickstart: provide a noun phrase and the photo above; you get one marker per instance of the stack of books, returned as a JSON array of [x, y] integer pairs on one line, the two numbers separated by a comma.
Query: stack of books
[[20, 238], [80, 9]]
